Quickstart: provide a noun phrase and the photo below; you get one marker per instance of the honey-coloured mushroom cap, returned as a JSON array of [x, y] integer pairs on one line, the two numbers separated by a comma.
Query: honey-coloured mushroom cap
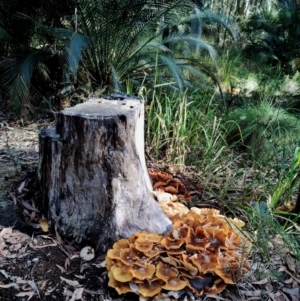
[[169, 260], [153, 237], [217, 239], [143, 273], [120, 287], [175, 284], [122, 273], [128, 256], [226, 270], [189, 265], [165, 271], [150, 289], [113, 254], [205, 211], [121, 244], [231, 266], [203, 252], [171, 189], [172, 209], [44, 224], [235, 222], [197, 239], [172, 244], [205, 261], [216, 222], [108, 262], [135, 236], [153, 253], [218, 286], [233, 241], [143, 244]]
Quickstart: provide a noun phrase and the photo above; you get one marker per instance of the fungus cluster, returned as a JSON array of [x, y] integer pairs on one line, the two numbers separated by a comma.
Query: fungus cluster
[[164, 182], [204, 252]]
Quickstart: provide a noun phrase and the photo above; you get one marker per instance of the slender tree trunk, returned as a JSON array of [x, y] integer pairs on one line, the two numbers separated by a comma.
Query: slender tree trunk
[[196, 28], [247, 8]]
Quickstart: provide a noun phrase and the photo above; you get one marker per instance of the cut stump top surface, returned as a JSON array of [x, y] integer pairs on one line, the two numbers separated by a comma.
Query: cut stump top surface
[[99, 107]]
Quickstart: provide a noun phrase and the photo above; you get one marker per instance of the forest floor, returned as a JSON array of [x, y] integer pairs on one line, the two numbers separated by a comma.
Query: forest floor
[[37, 265]]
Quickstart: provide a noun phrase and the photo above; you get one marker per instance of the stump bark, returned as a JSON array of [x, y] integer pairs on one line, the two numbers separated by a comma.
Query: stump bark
[[92, 173]]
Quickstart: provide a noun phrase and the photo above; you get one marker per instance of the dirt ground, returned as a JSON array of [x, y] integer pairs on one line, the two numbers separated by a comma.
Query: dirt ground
[[37, 265]]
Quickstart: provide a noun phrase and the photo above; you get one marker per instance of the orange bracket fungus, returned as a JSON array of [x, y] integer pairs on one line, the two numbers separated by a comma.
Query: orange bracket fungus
[[203, 253]]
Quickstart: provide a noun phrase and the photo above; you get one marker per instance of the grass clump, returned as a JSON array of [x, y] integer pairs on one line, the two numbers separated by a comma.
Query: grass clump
[[262, 127], [185, 130]]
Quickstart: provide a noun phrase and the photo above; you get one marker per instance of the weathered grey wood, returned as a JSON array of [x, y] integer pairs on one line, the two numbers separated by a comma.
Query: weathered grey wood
[[93, 176]]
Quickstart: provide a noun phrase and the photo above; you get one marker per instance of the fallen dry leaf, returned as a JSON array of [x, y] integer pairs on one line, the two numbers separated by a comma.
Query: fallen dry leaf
[[6, 275], [15, 200], [292, 291], [42, 284], [291, 262], [260, 282], [33, 286], [77, 294], [99, 292], [29, 207], [84, 266], [74, 283], [21, 281], [13, 285], [15, 237], [25, 294], [41, 247], [67, 263], [61, 268], [288, 281], [254, 293], [20, 188], [280, 297]]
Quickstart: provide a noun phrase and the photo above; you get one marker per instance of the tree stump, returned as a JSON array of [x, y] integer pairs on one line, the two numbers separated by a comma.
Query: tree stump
[[92, 173]]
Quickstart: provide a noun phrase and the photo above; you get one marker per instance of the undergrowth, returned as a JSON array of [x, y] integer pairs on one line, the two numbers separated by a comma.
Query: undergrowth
[[243, 154]]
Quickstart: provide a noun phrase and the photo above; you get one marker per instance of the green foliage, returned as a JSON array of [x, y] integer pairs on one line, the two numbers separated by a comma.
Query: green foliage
[[273, 34], [290, 179], [175, 134], [270, 232], [132, 45], [263, 126], [114, 41]]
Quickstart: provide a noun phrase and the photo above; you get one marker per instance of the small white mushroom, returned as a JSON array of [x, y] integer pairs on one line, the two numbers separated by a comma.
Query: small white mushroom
[[87, 253]]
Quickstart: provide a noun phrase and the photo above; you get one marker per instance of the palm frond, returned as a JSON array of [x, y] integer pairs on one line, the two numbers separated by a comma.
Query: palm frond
[[73, 43], [208, 17], [17, 75], [72, 50], [192, 40]]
